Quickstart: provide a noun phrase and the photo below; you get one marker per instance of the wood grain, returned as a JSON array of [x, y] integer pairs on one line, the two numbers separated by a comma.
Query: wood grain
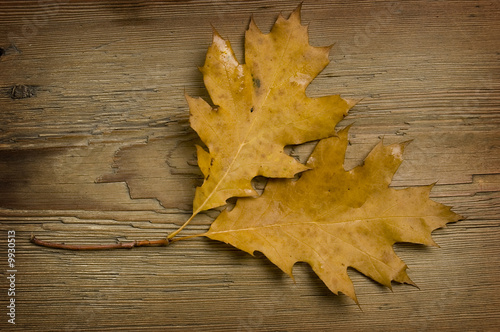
[[95, 145]]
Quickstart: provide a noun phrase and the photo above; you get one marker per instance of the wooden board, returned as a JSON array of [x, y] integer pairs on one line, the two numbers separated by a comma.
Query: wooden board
[[95, 146]]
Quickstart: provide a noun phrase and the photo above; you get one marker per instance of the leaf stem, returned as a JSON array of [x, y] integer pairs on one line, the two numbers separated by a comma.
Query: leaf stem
[[187, 237], [118, 245], [121, 245], [174, 233]]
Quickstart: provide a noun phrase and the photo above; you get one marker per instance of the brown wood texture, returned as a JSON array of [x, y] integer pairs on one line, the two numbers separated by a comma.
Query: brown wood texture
[[95, 146]]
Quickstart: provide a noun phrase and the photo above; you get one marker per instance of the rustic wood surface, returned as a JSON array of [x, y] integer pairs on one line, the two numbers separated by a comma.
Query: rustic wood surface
[[95, 146]]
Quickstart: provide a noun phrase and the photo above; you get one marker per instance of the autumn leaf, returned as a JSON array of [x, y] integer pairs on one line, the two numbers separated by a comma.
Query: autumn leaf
[[334, 219], [260, 107], [330, 218]]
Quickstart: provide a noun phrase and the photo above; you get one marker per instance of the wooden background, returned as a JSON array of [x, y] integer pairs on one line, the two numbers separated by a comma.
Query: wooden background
[[95, 145]]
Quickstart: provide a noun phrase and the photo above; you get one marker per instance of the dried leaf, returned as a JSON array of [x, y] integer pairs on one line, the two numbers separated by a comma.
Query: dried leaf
[[334, 219], [261, 106]]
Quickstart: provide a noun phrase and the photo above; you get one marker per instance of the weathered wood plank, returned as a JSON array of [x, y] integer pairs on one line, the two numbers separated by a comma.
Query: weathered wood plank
[[95, 145]]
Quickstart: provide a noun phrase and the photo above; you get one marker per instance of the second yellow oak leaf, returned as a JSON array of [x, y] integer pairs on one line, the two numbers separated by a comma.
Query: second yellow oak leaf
[[334, 219], [260, 107]]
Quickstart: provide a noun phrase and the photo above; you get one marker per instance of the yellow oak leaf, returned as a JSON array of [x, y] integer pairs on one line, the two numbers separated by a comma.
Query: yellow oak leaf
[[334, 219], [260, 107]]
